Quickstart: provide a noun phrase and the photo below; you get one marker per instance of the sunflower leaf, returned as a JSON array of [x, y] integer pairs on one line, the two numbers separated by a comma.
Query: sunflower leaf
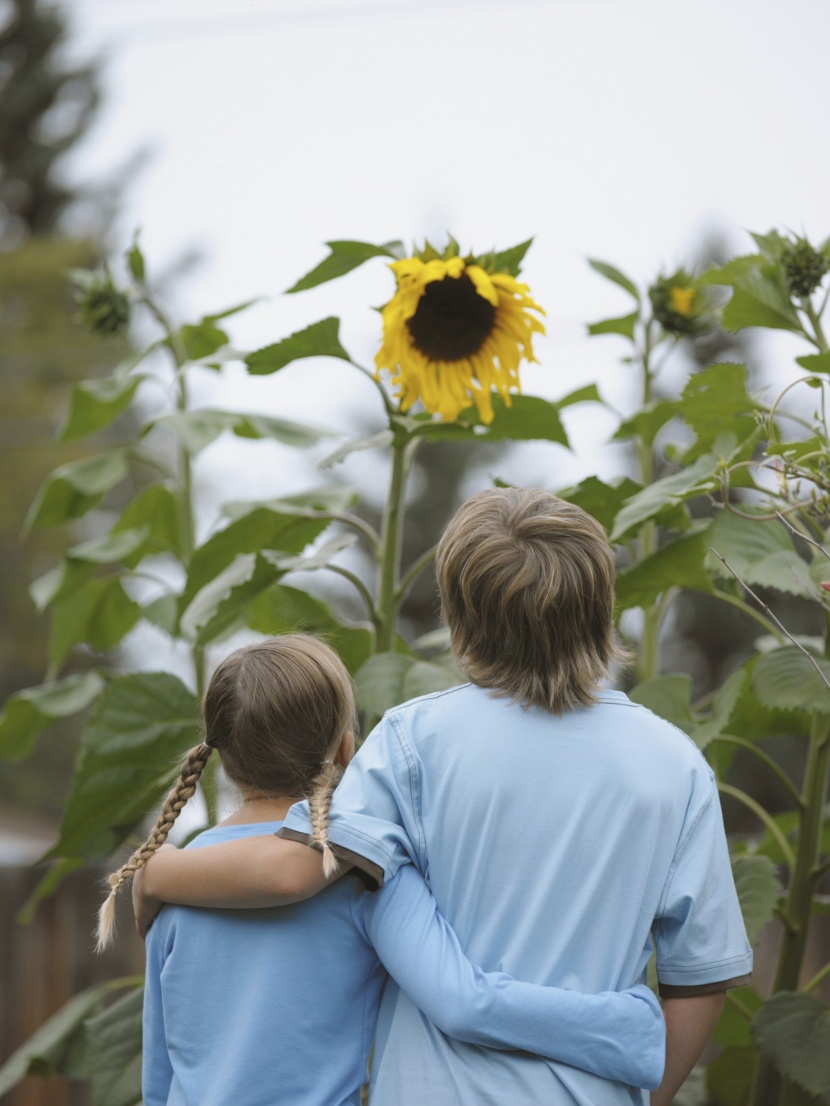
[[510, 261], [623, 325], [615, 276], [318, 340], [344, 257]]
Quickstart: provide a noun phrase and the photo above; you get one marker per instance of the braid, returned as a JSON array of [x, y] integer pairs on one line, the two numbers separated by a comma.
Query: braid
[[191, 771], [319, 802]]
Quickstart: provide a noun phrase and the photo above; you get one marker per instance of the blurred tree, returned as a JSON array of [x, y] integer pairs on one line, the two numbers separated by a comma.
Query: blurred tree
[[47, 107]]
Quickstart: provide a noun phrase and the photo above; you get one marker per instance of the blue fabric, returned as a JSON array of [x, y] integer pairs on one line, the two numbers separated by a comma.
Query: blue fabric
[[560, 849], [267, 1007]]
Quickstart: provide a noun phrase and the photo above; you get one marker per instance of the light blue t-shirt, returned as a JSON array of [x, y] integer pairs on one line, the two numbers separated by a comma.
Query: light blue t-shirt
[[560, 849], [278, 1007]]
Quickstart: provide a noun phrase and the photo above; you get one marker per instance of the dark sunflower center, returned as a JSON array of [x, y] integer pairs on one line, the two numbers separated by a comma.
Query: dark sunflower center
[[452, 320]]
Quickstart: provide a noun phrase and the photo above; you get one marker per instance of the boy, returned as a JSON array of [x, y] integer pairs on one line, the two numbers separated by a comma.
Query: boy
[[563, 830]]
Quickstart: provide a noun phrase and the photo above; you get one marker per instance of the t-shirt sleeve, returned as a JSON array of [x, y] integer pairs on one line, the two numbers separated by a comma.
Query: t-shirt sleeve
[[156, 1070], [618, 1036], [699, 933], [374, 820]]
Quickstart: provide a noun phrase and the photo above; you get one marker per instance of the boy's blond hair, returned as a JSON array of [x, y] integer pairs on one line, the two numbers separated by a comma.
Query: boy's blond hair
[[527, 590]]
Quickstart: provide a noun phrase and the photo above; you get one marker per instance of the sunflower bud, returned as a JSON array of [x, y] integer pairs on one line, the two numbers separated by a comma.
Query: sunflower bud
[[679, 305], [104, 309], [804, 266]]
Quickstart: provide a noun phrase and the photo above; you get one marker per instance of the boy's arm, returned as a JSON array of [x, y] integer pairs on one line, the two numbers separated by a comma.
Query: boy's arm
[[689, 1025], [618, 1036], [252, 872]]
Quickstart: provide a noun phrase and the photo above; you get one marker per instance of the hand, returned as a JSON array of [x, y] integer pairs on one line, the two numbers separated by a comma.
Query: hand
[[145, 906]]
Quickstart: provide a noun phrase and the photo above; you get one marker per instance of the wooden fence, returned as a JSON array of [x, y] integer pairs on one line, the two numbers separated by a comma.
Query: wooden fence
[[45, 963]]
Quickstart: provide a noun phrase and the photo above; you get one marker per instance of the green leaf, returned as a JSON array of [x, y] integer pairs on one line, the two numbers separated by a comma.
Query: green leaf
[[760, 297], [678, 564], [733, 1027], [114, 1040], [50, 1049], [73, 489], [142, 725], [623, 325], [135, 262], [652, 500], [815, 362], [279, 525], [219, 608], [786, 679], [100, 614], [760, 551], [197, 429], [759, 889], [510, 260], [646, 424], [318, 340], [793, 1030], [587, 394], [601, 500], [112, 548], [344, 256], [387, 679], [380, 440], [27, 713], [754, 720], [202, 339], [729, 1078], [615, 276], [285, 610], [718, 722], [157, 512], [527, 418], [95, 404], [163, 612], [668, 697], [715, 400]]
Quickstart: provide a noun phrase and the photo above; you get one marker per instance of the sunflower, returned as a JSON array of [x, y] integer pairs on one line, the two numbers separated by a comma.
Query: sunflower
[[453, 332]]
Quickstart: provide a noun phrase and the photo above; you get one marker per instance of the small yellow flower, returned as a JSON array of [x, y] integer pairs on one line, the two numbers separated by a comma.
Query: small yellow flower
[[682, 300], [453, 333]]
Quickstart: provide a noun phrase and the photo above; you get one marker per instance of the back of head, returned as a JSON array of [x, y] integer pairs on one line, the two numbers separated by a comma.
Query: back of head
[[273, 710], [527, 590]]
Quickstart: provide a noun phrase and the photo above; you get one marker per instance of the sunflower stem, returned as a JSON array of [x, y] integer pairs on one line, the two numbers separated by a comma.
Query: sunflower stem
[[648, 664], [403, 450]]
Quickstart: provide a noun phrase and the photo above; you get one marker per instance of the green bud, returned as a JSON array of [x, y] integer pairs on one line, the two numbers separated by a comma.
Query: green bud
[[679, 306], [104, 309], [804, 266]]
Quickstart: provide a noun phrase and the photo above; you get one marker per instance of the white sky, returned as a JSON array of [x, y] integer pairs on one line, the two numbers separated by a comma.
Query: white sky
[[620, 129]]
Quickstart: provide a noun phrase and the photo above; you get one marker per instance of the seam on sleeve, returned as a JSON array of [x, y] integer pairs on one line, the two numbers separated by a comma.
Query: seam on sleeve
[[681, 849], [681, 969], [413, 790]]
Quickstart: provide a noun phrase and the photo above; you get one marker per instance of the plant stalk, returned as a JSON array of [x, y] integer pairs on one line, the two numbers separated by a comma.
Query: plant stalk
[[390, 545], [769, 1087]]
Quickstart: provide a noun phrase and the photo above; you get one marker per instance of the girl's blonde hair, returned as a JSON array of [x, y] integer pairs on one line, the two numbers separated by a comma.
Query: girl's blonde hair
[[275, 712]]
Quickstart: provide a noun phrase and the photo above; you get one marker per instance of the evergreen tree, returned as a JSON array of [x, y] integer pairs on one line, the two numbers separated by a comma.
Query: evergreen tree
[[47, 107]]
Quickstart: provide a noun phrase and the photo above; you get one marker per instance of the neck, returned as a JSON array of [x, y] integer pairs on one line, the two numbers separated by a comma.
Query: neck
[[261, 809]]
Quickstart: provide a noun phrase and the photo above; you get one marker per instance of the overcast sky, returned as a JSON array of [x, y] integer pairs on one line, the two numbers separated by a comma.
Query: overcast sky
[[619, 129]]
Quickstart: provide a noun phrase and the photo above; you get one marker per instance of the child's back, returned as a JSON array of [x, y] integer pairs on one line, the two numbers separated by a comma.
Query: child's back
[[551, 844], [274, 994]]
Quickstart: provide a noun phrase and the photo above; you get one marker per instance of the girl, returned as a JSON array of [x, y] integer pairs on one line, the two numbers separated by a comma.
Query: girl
[[253, 1008]]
